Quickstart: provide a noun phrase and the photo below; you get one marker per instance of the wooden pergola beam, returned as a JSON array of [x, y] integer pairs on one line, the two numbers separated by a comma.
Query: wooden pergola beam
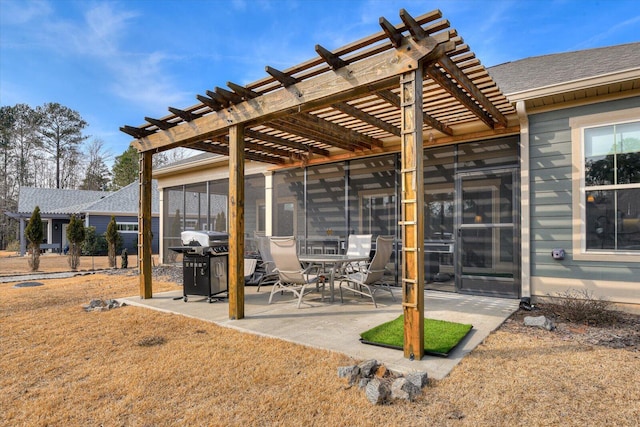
[[295, 127], [218, 98], [285, 142], [160, 124], [367, 118], [187, 116], [439, 77], [224, 150], [243, 91], [466, 83], [301, 126], [415, 29], [394, 35], [394, 100], [337, 131], [334, 61], [285, 79], [136, 132], [370, 74], [248, 145], [231, 97], [211, 103]]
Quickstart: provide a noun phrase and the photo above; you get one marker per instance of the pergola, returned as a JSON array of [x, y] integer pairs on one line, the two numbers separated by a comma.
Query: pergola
[[409, 86]]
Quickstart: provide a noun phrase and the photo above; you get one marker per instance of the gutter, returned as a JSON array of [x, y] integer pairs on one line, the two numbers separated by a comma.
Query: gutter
[[579, 84]]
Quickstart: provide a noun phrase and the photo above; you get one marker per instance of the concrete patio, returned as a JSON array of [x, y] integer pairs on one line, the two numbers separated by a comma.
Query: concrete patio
[[337, 327]]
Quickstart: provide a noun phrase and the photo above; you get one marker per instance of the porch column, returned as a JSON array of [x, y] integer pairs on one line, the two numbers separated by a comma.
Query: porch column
[[144, 225], [23, 240], [412, 214], [236, 222]]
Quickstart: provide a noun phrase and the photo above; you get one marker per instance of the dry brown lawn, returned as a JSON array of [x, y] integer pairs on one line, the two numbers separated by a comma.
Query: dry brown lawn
[[10, 264], [63, 366]]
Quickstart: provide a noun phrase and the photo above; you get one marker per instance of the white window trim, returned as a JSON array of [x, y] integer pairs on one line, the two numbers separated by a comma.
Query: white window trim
[[118, 223], [577, 125]]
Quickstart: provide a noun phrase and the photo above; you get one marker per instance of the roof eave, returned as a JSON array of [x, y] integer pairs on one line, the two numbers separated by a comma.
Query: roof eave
[[580, 84]]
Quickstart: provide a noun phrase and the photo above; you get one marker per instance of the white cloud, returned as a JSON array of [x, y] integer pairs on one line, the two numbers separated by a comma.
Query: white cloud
[[21, 12]]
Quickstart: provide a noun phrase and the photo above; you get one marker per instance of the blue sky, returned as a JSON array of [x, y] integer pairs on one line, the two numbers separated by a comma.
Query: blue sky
[[116, 62]]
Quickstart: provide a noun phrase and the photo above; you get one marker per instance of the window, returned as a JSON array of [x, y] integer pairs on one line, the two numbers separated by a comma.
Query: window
[[610, 185], [127, 227]]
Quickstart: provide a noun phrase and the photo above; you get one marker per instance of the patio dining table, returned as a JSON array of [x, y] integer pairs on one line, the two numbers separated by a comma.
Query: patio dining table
[[334, 261]]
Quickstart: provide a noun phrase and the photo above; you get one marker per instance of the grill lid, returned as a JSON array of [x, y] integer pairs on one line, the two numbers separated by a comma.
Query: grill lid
[[204, 238]]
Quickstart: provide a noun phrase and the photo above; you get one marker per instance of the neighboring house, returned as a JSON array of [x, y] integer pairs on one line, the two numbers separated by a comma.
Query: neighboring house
[[551, 208], [95, 207]]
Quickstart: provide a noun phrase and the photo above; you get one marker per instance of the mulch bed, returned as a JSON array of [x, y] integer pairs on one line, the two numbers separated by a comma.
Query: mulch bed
[[623, 333]]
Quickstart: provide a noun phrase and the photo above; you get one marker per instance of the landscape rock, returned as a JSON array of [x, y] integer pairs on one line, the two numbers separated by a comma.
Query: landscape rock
[[102, 305], [540, 322], [368, 367], [405, 389], [419, 379], [378, 391], [348, 371]]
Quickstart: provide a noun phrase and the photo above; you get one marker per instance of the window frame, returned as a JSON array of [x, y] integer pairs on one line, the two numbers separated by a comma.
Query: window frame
[[126, 223], [578, 125]]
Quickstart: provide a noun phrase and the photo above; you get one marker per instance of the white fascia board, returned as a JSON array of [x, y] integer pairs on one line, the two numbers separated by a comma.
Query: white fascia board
[[590, 82]]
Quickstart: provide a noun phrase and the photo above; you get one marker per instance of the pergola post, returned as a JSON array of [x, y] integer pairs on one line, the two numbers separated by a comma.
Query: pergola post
[[144, 225], [412, 214], [236, 222]]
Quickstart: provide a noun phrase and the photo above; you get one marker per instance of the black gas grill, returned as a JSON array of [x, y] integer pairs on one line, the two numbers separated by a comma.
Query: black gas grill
[[204, 264]]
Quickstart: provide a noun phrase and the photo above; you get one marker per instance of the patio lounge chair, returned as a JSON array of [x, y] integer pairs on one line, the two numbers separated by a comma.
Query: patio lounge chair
[[369, 280], [291, 276], [269, 276]]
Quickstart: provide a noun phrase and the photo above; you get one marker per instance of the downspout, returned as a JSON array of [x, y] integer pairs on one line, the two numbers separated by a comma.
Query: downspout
[[525, 207], [268, 203]]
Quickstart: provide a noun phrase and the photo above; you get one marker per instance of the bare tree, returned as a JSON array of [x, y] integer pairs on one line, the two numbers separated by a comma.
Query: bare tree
[[7, 184], [97, 176]]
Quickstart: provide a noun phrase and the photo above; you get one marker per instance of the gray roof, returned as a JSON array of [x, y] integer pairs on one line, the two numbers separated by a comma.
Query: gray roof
[[125, 200], [541, 71], [55, 201], [191, 159]]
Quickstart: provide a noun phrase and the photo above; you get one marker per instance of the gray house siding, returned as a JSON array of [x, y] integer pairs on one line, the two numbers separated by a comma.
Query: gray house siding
[[551, 197], [130, 240]]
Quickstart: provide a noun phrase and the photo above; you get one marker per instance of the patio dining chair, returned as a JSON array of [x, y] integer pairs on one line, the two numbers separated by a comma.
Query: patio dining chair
[[268, 267], [358, 245], [292, 277], [366, 282]]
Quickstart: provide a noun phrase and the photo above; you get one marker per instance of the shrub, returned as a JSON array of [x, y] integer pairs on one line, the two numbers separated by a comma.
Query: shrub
[[113, 241], [579, 306], [94, 244], [75, 236], [34, 234], [13, 246]]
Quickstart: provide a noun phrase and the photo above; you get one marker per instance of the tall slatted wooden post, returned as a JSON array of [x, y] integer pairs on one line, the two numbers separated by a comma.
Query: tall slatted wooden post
[[144, 225], [412, 215], [236, 222]]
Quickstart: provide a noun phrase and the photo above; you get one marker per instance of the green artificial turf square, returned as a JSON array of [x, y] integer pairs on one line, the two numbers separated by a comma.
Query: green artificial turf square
[[440, 336]]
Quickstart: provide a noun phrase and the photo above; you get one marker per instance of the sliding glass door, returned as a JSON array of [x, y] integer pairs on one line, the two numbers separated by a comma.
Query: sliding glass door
[[487, 233]]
